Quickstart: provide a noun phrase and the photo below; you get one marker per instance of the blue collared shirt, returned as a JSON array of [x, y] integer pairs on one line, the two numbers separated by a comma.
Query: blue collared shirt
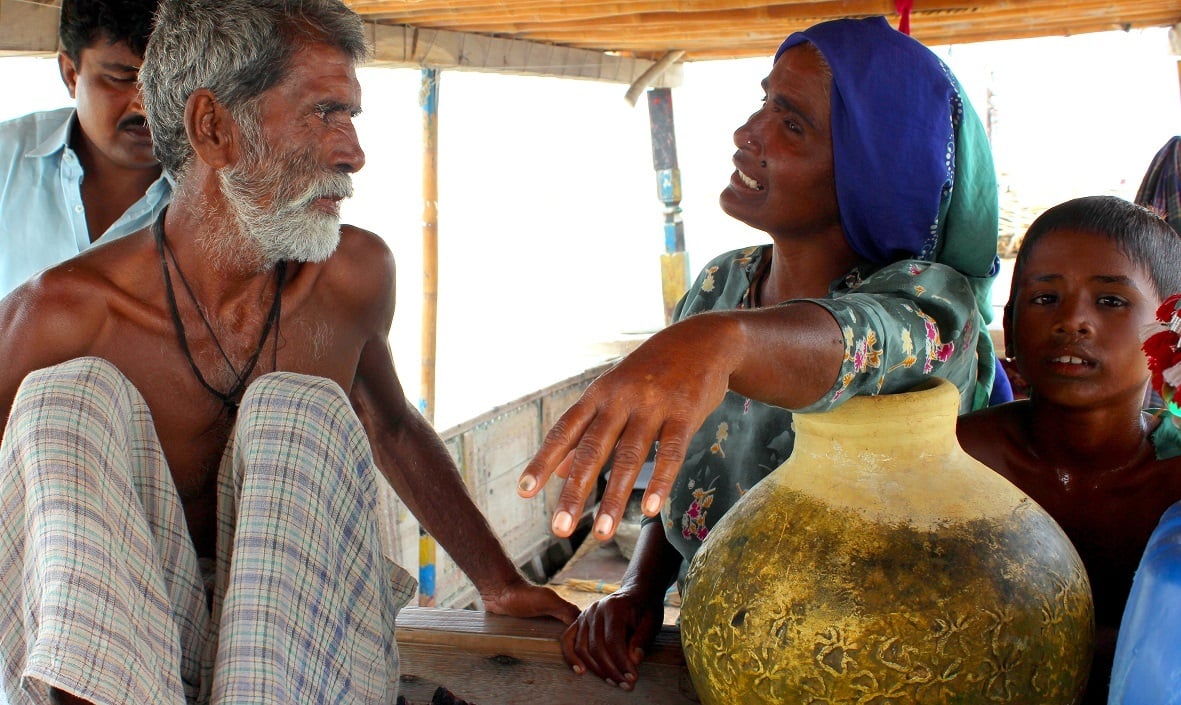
[[42, 219]]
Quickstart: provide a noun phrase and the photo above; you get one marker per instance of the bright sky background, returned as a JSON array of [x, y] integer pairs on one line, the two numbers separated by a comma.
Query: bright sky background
[[550, 228]]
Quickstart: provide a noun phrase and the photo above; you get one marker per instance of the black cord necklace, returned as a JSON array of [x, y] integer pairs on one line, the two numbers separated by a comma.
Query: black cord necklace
[[231, 397]]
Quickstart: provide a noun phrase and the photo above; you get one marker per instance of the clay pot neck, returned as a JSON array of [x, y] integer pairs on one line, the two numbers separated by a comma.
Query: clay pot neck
[[923, 418]]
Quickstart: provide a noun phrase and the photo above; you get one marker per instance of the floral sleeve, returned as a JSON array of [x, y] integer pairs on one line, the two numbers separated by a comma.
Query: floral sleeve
[[905, 322]]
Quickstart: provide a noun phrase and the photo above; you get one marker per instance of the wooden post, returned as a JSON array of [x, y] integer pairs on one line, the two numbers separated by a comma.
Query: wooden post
[[1174, 37], [674, 263], [428, 99]]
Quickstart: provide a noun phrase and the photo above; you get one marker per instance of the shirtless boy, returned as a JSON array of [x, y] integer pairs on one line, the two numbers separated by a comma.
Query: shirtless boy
[[1090, 275]]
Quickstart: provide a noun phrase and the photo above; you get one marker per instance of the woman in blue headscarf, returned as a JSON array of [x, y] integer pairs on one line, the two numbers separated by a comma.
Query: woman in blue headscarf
[[873, 177]]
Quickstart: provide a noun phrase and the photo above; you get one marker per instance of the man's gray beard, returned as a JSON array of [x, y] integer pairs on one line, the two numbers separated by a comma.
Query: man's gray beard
[[292, 231]]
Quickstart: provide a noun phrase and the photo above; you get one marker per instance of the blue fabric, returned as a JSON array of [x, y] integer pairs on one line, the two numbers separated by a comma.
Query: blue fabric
[[1147, 668], [44, 221], [1002, 390]]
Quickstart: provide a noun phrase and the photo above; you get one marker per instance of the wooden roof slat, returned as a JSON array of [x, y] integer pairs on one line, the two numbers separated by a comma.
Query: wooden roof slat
[[588, 34], [644, 23], [744, 45], [717, 19]]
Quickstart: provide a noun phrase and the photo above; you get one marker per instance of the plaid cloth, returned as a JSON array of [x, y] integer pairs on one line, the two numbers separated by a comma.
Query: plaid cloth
[[1160, 189], [101, 593]]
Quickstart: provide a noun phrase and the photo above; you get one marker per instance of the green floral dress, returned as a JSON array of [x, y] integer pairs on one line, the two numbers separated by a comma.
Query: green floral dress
[[902, 323]]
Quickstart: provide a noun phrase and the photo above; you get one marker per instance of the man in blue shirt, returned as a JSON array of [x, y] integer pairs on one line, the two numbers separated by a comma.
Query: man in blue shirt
[[75, 176]]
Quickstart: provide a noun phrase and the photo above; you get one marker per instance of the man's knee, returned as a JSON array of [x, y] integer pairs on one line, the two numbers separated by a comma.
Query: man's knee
[[82, 385], [290, 393], [288, 420], [79, 371]]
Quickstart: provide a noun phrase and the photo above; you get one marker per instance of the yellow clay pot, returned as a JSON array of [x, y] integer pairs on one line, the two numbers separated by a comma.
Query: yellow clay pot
[[882, 564]]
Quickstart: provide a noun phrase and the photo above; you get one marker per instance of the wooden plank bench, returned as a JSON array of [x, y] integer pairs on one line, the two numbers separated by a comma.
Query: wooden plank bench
[[489, 659]]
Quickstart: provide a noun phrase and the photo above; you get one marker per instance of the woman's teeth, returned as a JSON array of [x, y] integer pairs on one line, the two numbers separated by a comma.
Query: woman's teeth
[[749, 181]]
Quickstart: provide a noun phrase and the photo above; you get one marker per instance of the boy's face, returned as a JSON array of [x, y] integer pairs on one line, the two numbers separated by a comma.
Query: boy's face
[[1075, 319]]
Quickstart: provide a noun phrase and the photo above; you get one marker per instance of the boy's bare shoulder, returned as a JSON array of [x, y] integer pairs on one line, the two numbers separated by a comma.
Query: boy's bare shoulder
[[987, 423], [992, 435]]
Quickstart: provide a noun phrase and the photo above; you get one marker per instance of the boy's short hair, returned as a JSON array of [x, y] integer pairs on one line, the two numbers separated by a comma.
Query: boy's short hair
[[84, 22], [1140, 234]]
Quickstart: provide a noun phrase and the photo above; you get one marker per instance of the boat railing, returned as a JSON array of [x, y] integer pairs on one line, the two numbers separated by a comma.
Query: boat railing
[[491, 450]]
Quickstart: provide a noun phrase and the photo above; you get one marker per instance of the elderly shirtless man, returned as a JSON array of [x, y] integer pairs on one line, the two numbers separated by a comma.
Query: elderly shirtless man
[[187, 472]]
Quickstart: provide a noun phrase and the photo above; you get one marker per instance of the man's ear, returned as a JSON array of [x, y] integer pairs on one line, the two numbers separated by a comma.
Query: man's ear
[[68, 70], [1007, 325], [211, 129]]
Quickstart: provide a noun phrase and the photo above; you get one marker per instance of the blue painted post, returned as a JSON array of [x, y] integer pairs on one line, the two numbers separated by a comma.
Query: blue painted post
[[428, 99], [674, 263]]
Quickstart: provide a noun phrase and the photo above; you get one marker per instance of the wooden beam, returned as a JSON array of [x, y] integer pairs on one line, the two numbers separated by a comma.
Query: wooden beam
[[27, 28], [413, 47], [486, 658]]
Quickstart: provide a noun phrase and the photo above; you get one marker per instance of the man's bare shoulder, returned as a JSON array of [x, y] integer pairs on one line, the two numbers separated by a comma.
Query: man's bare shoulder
[[61, 294], [66, 306], [363, 252], [47, 320], [361, 268]]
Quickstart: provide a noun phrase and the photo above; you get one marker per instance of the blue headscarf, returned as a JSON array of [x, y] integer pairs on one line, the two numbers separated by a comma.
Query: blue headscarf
[[914, 174], [912, 164]]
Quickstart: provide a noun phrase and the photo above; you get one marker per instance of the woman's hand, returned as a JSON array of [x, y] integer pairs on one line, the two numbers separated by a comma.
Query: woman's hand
[[609, 637], [785, 355], [661, 392]]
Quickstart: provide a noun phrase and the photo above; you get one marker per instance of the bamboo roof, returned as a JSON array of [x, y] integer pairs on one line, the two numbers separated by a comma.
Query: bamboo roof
[[723, 29], [645, 41]]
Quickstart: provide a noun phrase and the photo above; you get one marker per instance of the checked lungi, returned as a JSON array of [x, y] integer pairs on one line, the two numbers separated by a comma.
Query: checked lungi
[[101, 593]]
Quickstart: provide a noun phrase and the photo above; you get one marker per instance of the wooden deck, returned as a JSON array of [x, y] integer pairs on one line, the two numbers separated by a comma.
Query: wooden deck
[[491, 660]]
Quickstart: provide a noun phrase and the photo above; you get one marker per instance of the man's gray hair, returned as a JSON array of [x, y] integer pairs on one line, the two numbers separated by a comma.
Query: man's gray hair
[[235, 48]]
